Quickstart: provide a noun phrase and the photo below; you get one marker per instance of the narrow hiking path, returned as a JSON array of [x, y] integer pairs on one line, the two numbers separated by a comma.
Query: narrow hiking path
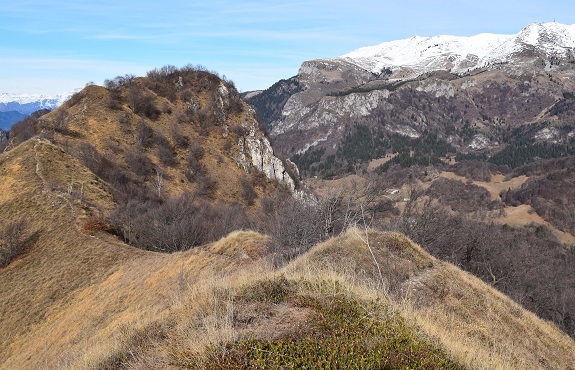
[[49, 190]]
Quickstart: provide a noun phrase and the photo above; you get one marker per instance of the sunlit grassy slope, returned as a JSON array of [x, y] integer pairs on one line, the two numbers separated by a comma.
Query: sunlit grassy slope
[[365, 299]]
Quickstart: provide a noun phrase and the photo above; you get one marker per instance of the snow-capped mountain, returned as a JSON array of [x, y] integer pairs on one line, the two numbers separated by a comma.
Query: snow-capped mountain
[[15, 107], [28, 103], [461, 54]]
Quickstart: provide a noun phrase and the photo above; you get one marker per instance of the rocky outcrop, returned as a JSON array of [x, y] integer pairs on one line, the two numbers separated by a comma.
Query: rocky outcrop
[[263, 159], [255, 151]]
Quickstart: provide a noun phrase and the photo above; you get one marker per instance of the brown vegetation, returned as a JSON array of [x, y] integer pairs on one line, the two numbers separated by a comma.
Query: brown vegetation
[[157, 162], [12, 240], [461, 197], [550, 191], [527, 264]]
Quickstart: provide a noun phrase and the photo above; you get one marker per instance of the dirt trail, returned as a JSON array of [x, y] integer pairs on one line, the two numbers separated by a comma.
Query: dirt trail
[[52, 192]]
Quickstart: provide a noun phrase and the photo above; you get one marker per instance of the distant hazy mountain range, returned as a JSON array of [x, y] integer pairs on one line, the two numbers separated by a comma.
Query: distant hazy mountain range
[[15, 107], [7, 119]]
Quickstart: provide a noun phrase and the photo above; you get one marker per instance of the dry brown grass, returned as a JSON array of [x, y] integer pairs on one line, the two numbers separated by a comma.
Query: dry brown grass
[[324, 188], [94, 307], [95, 302], [375, 163], [91, 120], [70, 298], [524, 214], [75, 301], [480, 327]]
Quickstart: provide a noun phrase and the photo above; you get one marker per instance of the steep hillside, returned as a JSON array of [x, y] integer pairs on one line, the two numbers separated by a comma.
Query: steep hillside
[[177, 149], [165, 117], [69, 296], [441, 96], [477, 325]]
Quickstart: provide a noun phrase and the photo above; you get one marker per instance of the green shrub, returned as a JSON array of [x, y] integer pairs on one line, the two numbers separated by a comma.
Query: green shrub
[[340, 333]]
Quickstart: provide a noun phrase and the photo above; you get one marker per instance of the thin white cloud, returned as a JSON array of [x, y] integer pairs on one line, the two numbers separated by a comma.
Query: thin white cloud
[[117, 36], [63, 64]]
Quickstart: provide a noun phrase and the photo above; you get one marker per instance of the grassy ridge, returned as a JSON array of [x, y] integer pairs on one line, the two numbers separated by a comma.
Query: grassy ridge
[[332, 309]]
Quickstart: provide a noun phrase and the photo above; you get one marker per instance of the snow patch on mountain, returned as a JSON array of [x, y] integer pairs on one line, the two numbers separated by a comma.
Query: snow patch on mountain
[[550, 134]]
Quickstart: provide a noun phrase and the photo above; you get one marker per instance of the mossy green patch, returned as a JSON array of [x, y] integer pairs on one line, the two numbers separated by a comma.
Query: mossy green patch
[[340, 333]]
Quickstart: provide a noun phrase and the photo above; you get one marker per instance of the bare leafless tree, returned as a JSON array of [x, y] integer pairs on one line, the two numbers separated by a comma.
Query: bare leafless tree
[[158, 181]]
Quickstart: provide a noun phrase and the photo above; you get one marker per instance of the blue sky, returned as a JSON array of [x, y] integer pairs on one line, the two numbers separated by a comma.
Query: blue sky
[[56, 46]]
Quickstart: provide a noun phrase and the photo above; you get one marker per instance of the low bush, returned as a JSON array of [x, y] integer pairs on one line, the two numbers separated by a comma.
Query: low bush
[[177, 223], [12, 240], [340, 333], [94, 224]]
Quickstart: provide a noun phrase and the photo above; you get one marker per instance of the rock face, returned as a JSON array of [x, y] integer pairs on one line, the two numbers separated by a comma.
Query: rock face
[[256, 151], [469, 91], [263, 159]]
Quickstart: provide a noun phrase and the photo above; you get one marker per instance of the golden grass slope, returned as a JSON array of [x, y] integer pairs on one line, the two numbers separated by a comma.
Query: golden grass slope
[[479, 326], [70, 293], [75, 301]]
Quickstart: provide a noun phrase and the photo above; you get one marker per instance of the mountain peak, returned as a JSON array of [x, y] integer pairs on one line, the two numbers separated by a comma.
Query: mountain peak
[[548, 35]]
